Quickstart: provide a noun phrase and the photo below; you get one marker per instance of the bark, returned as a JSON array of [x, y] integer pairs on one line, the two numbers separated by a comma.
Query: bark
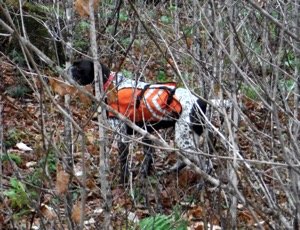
[[104, 157], [235, 117], [1, 141], [295, 132], [68, 138]]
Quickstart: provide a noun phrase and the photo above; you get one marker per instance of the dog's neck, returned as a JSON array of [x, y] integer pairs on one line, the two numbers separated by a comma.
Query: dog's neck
[[114, 78], [109, 80]]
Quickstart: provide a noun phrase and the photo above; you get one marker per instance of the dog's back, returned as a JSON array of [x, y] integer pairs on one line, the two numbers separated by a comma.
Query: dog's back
[[83, 72]]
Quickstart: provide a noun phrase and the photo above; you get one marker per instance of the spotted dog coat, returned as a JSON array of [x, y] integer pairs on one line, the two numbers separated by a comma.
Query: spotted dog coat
[[188, 125]]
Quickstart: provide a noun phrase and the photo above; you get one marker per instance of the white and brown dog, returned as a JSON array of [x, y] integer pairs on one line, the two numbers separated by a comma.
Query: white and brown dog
[[152, 107]]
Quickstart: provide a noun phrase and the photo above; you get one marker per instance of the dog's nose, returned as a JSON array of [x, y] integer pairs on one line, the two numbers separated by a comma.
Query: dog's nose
[[71, 72]]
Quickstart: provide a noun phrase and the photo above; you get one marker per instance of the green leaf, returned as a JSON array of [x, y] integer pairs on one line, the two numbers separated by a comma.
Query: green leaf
[[165, 19], [162, 222], [161, 76], [127, 74], [84, 25], [249, 91], [13, 157], [123, 17], [11, 194], [187, 31], [126, 41], [172, 8], [14, 183], [22, 188], [286, 85]]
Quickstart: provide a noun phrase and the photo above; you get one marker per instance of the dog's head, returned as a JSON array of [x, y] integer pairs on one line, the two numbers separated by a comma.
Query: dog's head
[[82, 72]]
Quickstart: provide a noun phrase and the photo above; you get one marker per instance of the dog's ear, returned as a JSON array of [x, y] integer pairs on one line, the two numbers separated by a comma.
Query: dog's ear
[[105, 73], [75, 63]]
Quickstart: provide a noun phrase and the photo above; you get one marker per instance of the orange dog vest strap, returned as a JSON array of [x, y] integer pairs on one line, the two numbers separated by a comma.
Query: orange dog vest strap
[[152, 103]]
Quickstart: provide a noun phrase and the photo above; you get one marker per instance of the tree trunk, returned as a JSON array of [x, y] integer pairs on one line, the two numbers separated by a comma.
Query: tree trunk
[[104, 158]]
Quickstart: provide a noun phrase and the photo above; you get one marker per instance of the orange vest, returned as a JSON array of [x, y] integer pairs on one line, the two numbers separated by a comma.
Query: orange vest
[[149, 104]]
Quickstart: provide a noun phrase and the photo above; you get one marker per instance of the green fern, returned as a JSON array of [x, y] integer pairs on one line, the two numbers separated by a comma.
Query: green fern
[[249, 92], [13, 157], [163, 222]]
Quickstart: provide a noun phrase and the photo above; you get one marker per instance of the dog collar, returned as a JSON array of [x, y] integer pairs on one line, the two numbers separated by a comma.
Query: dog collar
[[109, 80]]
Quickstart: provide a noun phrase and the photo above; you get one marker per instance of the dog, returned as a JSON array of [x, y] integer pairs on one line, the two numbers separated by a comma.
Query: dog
[[151, 107]]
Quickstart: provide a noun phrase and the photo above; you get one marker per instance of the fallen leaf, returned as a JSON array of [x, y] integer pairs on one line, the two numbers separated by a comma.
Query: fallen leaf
[[61, 88], [83, 98], [10, 99], [261, 3], [62, 182], [48, 212], [29, 164], [76, 213], [82, 7], [133, 217], [90, 221], [117, 192], [98, 210], [59, 167], [23, 147], [196, 213], [188, 42], [91, 184], [200, 226]]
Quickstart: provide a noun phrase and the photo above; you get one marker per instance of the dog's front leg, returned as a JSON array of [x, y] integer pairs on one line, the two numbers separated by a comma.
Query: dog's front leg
[[123, 147], [148, 154], [123, 153], [187, 141]]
